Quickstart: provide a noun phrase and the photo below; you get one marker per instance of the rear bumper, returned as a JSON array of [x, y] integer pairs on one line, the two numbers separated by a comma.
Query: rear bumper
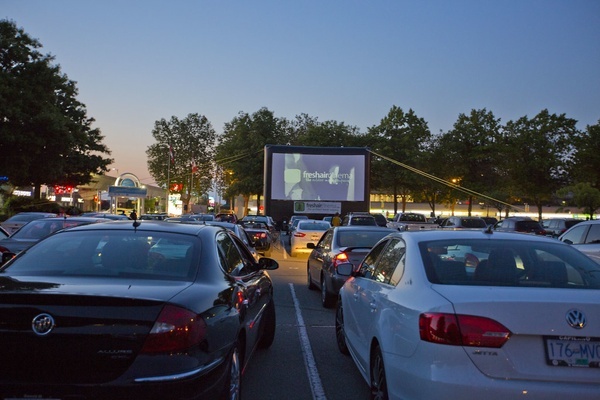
[[191, 386]]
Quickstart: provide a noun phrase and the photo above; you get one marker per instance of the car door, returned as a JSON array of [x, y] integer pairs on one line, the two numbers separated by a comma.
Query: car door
[[372, 295], [252, 288]]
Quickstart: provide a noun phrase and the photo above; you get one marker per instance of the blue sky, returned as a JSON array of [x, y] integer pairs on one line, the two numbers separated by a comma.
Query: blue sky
[[136, 62]]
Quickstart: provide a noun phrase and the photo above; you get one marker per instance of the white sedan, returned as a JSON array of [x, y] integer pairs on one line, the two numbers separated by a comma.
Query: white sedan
[[306, 231], [520, 319]]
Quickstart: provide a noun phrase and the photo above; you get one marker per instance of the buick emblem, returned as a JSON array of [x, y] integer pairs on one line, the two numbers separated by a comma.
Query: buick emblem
[[42, 324], [576, 319]]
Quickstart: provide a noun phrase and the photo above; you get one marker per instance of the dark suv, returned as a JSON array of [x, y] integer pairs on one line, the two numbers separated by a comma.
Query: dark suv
[[359, 218], [557, 226], [519, 224]]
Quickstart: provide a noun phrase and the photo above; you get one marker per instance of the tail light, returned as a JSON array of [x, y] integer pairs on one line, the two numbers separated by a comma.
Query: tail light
[[339, 259], [176, 329], [462, 330], [299, 234]]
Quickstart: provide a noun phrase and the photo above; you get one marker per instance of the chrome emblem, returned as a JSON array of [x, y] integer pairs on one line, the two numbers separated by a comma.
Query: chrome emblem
[[576, 319], [42, 324]]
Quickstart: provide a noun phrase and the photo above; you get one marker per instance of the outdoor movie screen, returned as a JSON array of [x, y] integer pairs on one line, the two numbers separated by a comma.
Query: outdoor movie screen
[[314, 177]]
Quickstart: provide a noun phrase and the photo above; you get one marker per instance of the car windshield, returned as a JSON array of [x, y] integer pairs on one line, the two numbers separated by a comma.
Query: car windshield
[[358, 238], [109, 254], [508, 263], [314, 226], [473, 223]]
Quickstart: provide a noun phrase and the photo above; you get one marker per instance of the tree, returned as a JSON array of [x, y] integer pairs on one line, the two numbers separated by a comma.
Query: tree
[[471, 151], [241, 151], [540, 151], [41, 119], [584, 196], [586, 164], [184, 155], [399, 136]]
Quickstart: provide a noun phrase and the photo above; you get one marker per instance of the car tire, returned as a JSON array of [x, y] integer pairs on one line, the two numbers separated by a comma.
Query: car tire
[[340, 335], [311, 285], [327, 300], [268, 326], [233, 383], [377, 373]]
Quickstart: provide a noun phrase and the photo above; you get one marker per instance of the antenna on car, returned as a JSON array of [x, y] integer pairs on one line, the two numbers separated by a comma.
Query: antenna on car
[[489, 229]]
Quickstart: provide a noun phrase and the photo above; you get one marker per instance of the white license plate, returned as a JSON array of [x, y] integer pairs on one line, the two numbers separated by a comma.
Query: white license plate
[[567, 351]]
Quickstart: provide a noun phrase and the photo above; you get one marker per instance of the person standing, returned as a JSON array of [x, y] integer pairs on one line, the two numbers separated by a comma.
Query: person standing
[[336, 220], [133, 215]]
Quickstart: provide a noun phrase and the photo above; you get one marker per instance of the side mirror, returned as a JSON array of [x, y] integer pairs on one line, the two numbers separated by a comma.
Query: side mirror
[[268, 263], [345, 269]]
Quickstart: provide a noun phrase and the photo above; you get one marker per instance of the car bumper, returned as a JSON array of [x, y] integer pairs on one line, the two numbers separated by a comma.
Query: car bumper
[[192, 386], [424, 377]]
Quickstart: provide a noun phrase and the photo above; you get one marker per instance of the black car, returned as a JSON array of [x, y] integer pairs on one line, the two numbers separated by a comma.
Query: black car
[[555, 227], [519, 224], [260, 234], [339, 244], [135, 310]]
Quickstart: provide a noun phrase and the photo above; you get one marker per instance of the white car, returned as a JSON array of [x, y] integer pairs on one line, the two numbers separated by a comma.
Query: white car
[[520, 321], [306, 231], [585, 237]]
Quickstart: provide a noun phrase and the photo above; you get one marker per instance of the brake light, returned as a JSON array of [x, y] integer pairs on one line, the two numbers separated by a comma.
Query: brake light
[[3, 249], [462, 330], [299, 234], [176, 329], [340, 258]]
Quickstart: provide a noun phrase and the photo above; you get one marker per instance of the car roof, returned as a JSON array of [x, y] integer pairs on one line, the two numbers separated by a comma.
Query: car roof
[[441, 234], [148, 226]]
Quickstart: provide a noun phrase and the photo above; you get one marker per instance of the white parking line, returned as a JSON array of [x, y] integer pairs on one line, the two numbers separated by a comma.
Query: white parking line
[[309, 360]]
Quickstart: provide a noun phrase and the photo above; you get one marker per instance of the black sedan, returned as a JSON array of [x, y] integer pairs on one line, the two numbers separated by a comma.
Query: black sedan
[[339, 244], [261, 235], [136, 310]]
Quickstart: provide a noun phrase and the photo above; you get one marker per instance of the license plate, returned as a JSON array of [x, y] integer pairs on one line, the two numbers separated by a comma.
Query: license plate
[[568, 351]]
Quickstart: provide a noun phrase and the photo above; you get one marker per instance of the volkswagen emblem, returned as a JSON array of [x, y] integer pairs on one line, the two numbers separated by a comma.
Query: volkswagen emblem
[[576, 319], [42, 324]]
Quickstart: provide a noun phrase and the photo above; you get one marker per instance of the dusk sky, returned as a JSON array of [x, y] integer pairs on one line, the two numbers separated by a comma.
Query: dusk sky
[[136, 62]]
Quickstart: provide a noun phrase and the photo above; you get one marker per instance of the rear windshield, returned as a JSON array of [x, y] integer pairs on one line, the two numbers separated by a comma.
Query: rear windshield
[[527, 226], [358, 238], [314, 226], [508, 263], [363, 221], [110, 254], [473, 223]]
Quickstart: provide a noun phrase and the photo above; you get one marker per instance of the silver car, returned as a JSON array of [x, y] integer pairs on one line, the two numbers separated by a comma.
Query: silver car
[[585, 236]]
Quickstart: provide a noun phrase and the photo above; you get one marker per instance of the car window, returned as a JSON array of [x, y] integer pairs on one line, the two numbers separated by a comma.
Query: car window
[[575, 235], [593, 235], [392, 257], [508, 263], [233, 261], [158, 256], [325, 242], [314, 226], [360, 238], [473, 223], [367, 266]]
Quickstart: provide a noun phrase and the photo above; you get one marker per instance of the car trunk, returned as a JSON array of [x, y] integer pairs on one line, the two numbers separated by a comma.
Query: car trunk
[[98, 332], [540, 332]]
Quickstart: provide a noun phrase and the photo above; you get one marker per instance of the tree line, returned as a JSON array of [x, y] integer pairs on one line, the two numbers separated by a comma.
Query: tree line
[[539, 160]]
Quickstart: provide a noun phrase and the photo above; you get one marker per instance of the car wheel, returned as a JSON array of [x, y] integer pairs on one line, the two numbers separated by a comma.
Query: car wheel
[[268, 333], [233, 384], [311, 285], [378, 380], [326, 298], [340, 336]]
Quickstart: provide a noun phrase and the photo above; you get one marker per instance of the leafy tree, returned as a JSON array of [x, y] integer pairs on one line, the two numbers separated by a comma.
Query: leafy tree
[[399, 136], [540, 151], [471, 152], [41, 119], [586, 164], [584, 196], [183, 154], [241, 150]]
